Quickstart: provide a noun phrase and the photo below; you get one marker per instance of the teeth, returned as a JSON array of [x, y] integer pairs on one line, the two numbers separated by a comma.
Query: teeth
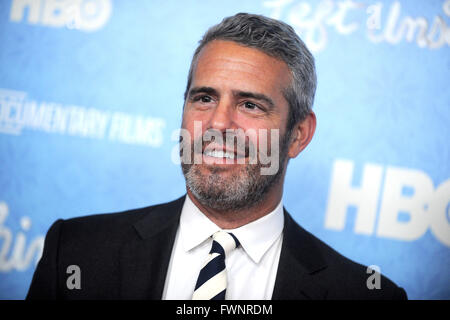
[[219, 154]]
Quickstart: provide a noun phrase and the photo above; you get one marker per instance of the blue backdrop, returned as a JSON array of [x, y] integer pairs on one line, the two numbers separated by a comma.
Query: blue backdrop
[[91, 91]]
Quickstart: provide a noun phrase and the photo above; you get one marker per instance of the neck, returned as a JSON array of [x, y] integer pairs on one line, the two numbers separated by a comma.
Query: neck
[[237, 218]]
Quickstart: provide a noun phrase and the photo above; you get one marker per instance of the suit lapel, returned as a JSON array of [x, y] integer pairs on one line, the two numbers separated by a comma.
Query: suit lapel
[[299, 260], [145, 259]]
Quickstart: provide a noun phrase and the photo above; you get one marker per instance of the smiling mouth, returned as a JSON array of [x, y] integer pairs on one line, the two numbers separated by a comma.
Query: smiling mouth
[[214, 154], [221, 154]]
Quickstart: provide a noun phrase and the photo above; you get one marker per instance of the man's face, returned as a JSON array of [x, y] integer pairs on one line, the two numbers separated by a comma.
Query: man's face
[[234, 87]]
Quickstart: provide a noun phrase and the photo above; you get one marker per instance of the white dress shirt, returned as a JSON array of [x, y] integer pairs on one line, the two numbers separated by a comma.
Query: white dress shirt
[[251, 268]]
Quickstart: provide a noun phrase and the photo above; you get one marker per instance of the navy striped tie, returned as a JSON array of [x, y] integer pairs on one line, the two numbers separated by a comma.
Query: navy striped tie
[[212, 280]]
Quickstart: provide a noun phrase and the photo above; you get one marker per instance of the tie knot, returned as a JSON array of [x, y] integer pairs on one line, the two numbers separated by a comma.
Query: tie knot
[[224, 242]]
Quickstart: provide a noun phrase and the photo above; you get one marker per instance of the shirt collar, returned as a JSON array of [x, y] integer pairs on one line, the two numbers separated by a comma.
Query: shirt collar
[[255, 237]]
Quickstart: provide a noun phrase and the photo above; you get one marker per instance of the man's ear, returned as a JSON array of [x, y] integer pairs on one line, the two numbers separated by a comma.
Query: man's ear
[[302, 134]]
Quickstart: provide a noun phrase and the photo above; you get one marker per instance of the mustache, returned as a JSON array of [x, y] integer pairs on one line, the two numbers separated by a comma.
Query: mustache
[[229, 141]]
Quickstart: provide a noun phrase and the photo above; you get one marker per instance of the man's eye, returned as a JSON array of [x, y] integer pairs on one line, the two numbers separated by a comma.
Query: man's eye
[[251, 106], [204, 99]]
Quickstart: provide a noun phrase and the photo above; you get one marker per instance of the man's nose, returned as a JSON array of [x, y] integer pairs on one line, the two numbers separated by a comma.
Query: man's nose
[[222, 116]]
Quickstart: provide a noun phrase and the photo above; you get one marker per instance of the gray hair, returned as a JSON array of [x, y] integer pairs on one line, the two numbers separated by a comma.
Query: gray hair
[[276, 39]]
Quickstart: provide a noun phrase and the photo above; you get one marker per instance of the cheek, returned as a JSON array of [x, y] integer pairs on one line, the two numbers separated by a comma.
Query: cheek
[[255, 125], [193, 124], [259, 133]]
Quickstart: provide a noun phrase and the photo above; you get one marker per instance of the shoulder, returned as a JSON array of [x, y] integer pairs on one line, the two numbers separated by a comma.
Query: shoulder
[[342, 277], [111, 228]]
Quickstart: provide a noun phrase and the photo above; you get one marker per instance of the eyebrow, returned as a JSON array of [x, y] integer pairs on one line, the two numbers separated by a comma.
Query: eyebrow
[[207, 90], [254, 95], [236, 93]]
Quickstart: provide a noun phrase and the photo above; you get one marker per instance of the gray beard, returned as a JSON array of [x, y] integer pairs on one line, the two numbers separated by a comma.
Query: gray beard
[[242, 190]]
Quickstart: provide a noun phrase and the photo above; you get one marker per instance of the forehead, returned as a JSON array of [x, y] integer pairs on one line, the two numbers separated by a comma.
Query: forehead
[[229, 64]]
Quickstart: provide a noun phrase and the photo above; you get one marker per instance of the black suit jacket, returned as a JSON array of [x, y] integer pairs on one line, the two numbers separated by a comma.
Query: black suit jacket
[[126, 256]]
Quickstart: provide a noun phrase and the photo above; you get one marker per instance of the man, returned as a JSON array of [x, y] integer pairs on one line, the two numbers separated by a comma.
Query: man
[[229, 237]]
